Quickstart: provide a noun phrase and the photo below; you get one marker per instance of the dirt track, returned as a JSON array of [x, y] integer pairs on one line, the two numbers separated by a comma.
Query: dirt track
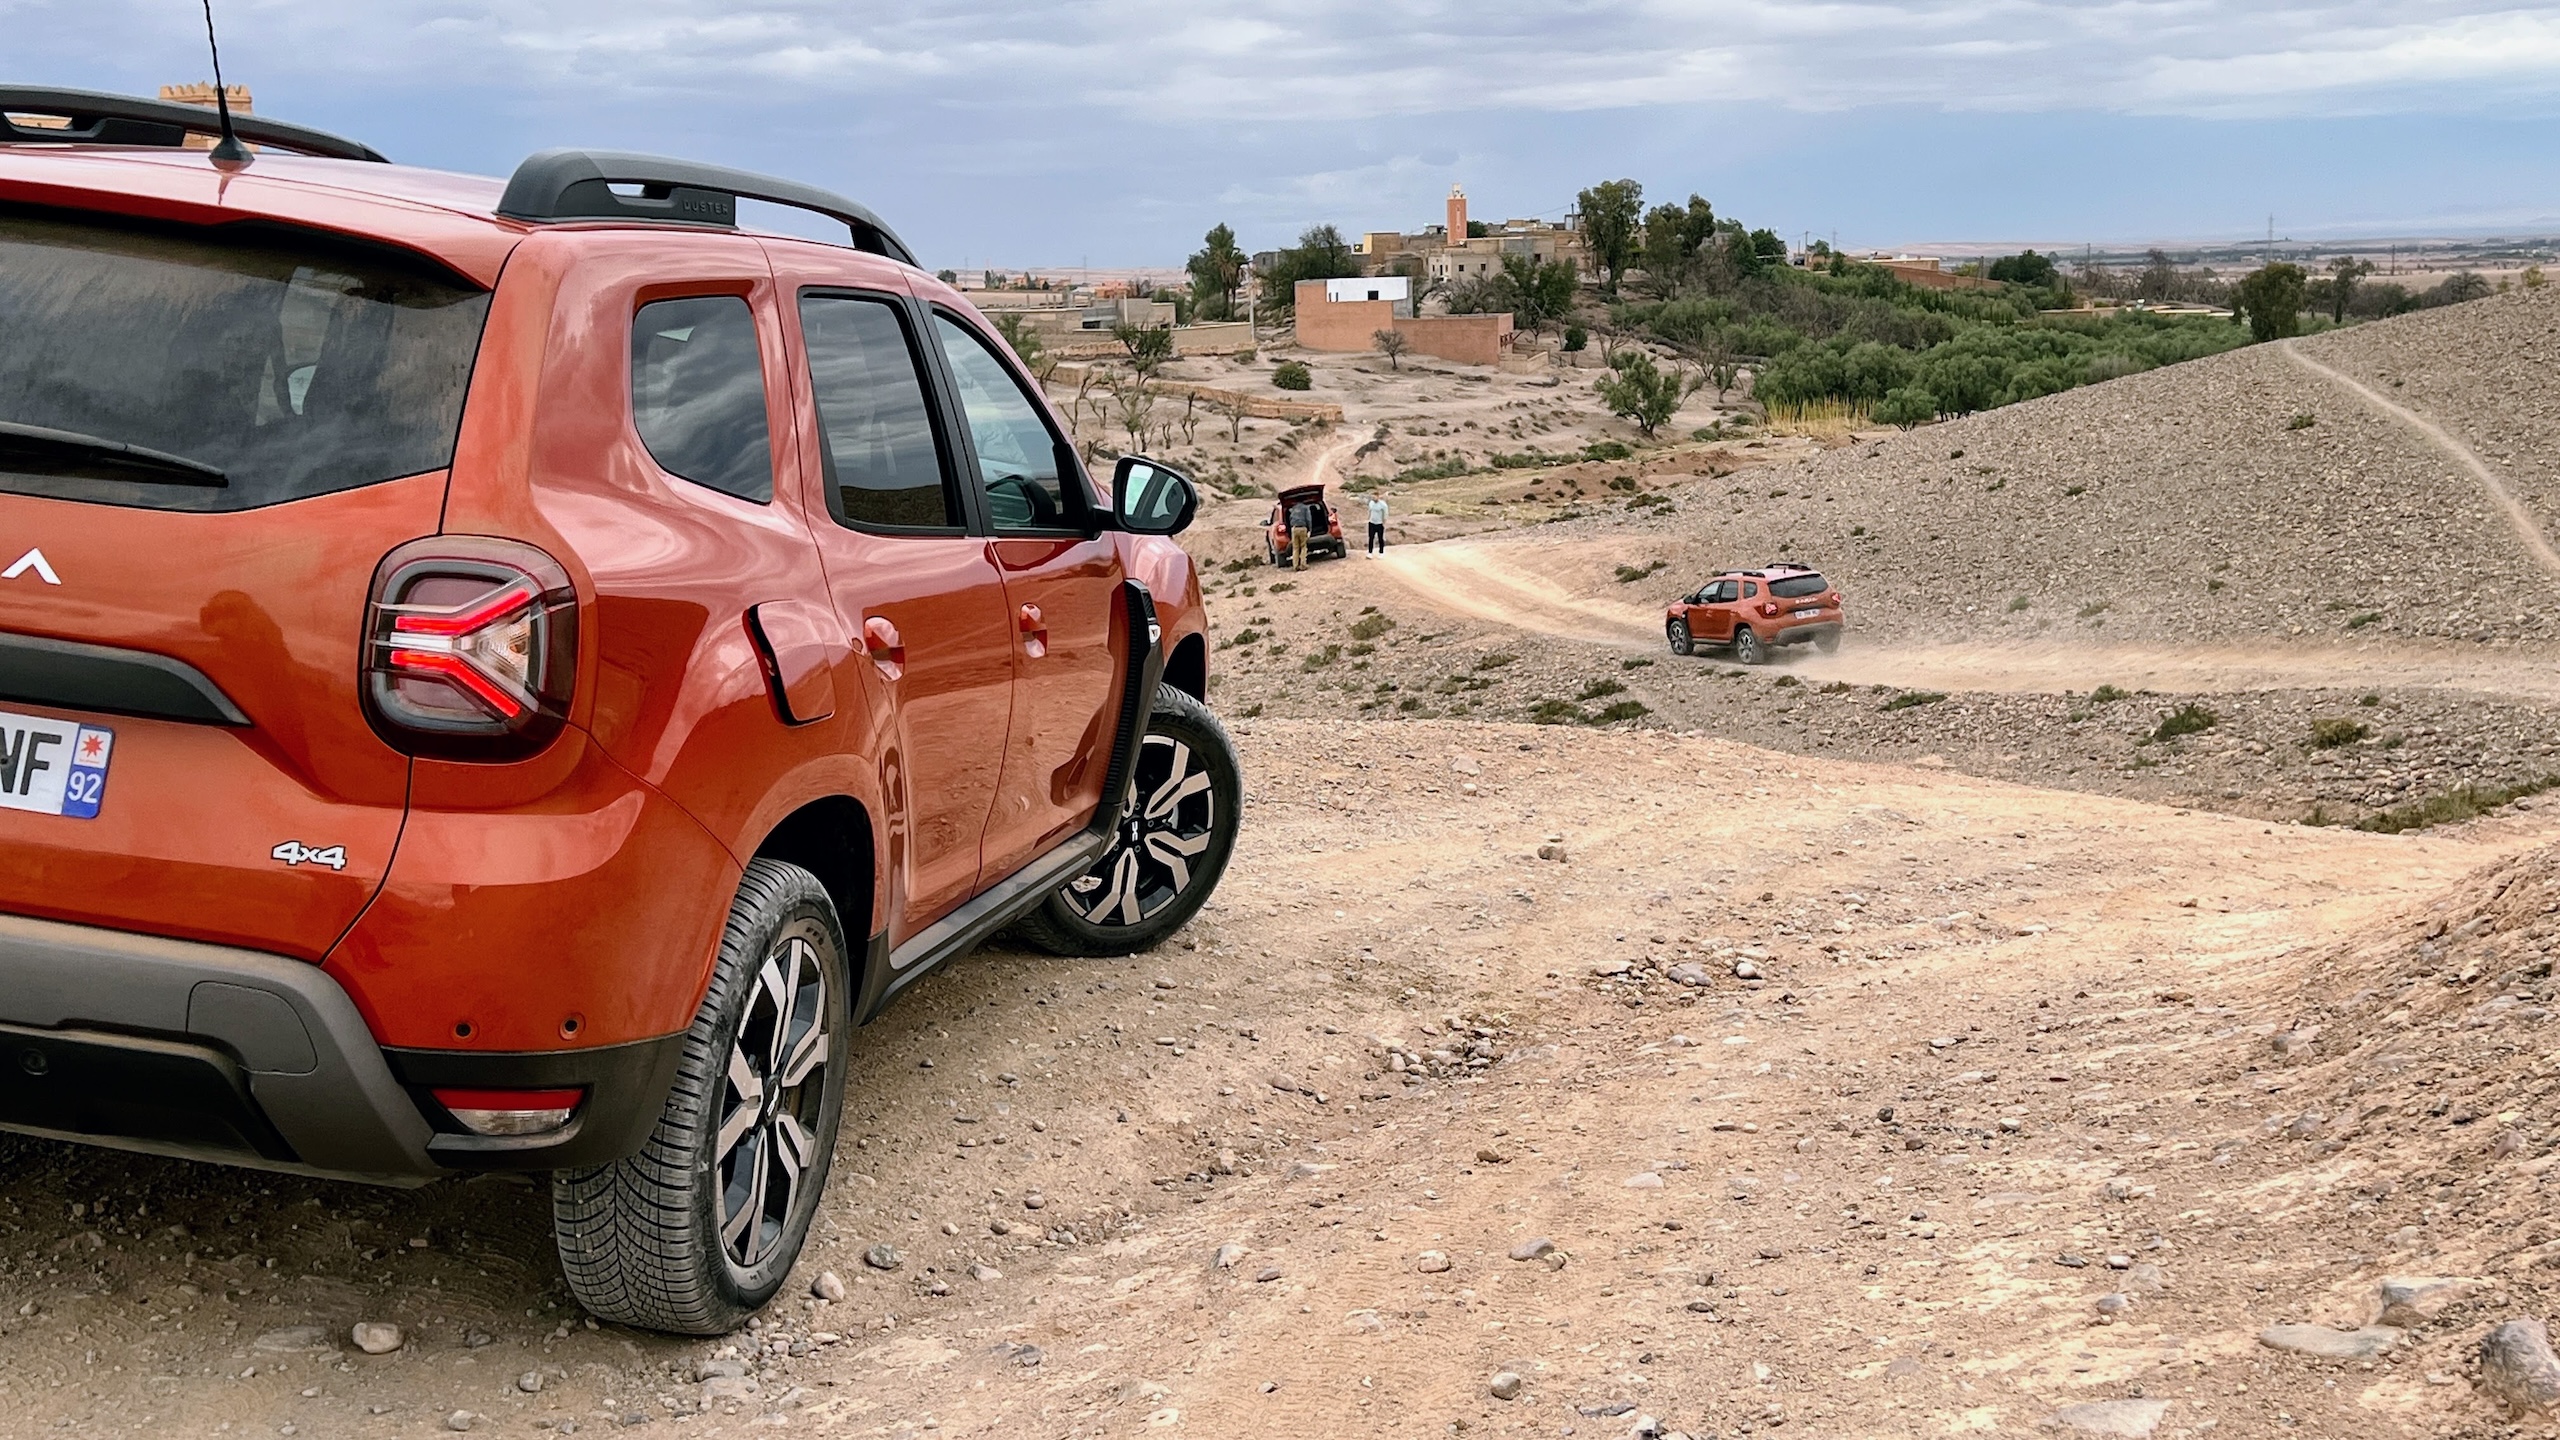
[[2104, 973]]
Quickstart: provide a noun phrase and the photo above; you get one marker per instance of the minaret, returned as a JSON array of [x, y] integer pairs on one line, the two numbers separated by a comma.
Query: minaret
[[1457, 214]]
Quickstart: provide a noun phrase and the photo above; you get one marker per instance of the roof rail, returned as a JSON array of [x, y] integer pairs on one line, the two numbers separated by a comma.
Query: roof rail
[[556, 185], [96, 118]]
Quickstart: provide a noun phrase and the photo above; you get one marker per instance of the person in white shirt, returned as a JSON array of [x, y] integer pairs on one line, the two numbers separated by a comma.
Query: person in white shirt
[[1377, 525]]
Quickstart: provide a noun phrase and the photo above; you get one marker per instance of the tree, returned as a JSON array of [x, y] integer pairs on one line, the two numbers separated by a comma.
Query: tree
[[1135, 409], [1637, 389], [1149, 346], [2159, 278], [1723, 367], [1017, 332], [1391, 343], [2344, 272], [1320, 254], [1612, 212], [1673, 237], [2455, 289], [1217, 272], [2026, 268], [2271, 297], [1536, 291], [1907, 407]]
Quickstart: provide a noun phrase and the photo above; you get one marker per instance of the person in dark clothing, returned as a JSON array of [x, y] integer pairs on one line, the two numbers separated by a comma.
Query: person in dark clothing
[[1301, 520]]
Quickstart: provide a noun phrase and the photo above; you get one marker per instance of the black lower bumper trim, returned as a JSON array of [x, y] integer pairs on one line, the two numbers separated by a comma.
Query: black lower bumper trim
[[626, 1089]]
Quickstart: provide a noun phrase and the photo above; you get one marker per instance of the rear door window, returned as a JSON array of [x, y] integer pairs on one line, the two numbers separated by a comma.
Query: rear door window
[[176, 367], [697, 393], [1021, 464], [883, 461]]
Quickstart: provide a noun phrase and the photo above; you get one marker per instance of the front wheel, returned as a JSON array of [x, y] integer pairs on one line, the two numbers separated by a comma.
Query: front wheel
[[1681, 644], [697, 1231], [1747, 649], [1177, 827]]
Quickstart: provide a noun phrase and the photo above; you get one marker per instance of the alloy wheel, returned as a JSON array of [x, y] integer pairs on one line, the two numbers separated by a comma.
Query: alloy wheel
[[1170, 818], [772, 1096]]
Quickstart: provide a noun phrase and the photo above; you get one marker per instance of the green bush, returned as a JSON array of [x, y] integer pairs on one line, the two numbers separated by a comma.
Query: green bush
[[1607, 450], [1629, 574], [2108, 694], [1623, 710], [1576, 338], [1909, 699], [1293, 375], [1370, 627], [2332, 733], [2185, 720], [1601, 690]]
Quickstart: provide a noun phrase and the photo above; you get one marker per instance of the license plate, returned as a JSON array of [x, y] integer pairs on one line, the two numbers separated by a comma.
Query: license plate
[[53, 767], [1807, 614]]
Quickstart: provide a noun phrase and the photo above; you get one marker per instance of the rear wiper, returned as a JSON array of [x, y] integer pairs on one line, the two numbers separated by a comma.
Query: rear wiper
[[89, 457]]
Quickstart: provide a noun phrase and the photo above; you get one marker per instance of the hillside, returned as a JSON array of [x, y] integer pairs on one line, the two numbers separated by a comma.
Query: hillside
[[2181, 504]]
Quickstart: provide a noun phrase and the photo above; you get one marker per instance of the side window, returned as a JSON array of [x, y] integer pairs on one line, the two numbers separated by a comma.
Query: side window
[[697, 393], [1724, 592], [883, 464], [1750, 591], [1018, 460]]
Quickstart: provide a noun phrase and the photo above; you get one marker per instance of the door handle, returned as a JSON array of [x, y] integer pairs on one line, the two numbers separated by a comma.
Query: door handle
[[887, 650], [1035, 632]]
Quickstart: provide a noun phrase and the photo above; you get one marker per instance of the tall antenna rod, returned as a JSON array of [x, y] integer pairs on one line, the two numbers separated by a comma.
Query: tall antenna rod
[[228, 150]]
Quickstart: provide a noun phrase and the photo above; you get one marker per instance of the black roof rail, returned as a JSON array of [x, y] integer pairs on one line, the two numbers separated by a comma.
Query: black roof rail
[[556, 185], [97, 118]]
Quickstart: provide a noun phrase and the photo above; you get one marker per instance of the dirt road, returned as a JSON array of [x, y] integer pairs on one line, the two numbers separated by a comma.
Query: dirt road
[[1541, 588], [1853, 1192]]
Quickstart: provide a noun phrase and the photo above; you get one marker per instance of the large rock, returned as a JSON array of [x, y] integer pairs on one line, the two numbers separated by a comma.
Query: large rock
[[2131, 1419], [2328, 1344], [2518, 1369]]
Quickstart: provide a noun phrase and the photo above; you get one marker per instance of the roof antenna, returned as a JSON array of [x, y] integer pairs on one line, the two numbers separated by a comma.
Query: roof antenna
[[228, 150]]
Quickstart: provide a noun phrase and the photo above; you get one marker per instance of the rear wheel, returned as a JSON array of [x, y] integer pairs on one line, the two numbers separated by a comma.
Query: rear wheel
[[1176, 830], [697, 1231], [1678, 630], [1747, 649], [1828, 642]]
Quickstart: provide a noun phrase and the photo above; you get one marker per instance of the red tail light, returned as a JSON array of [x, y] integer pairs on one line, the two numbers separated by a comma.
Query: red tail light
[[1768, 607], [471, 648]]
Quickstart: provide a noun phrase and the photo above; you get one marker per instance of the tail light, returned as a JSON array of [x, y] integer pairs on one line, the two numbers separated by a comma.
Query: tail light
[[1768, 607], [471, 648], [510, 1112]]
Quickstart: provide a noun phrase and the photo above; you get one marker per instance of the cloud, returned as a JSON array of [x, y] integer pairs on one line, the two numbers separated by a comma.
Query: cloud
[[1212, 61]]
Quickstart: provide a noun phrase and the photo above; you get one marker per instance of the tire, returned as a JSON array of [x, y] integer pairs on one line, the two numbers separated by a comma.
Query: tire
[[1681, 644], [1279, 558], [687, 1236], [1182, 816], [1747, 649], [1828, 642]]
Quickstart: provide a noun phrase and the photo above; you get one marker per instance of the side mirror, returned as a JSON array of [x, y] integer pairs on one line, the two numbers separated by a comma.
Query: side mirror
[[1152, 498]]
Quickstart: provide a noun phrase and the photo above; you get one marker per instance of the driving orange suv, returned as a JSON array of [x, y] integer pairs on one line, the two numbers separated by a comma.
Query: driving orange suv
[[1753, 612], [509, 675]]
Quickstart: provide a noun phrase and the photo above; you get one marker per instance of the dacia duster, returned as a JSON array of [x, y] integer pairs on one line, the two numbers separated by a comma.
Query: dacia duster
[[507, 676]]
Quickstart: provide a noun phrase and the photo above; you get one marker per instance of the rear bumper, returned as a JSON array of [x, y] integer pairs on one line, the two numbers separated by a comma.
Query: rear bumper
[[1805, 632], [214, 1053]]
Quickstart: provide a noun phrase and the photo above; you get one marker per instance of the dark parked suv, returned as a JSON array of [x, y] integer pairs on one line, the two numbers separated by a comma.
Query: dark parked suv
[[508, 676]]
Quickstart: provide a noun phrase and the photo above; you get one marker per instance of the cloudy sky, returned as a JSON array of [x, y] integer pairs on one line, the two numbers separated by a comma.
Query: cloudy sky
[[1113, 132]]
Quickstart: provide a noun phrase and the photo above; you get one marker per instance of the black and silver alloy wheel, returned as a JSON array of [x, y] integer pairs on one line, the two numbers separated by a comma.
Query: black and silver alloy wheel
[[1176, 828], [698, 1231], [1169, 821], [772, 1096], [1747, 648], [1678, 632]]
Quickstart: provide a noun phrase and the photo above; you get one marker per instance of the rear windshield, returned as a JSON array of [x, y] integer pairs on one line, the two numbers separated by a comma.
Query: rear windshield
[[1796, 587], [182, 368]]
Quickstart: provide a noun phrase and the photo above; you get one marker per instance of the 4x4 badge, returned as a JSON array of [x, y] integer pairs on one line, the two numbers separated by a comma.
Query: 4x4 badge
[[32, 560], [294, 852]]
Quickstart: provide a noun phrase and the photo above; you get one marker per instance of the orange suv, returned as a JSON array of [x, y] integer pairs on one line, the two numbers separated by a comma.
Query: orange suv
[[1752, 612], [507, 676]]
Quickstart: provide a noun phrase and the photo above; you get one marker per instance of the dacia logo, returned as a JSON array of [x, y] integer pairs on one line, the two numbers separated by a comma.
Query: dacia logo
[[32, 563]]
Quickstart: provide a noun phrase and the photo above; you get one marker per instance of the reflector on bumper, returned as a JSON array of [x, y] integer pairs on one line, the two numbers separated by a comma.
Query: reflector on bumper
[[511, 1112]]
